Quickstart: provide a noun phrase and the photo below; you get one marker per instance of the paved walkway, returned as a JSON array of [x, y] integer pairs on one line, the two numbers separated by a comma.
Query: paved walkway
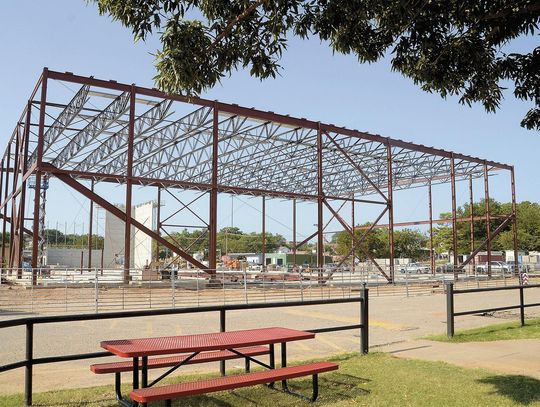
[[520, 357]]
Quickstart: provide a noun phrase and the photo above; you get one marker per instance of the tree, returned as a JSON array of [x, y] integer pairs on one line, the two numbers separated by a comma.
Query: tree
[[229, 240], [453, 47], [528, 227], [410, 243]]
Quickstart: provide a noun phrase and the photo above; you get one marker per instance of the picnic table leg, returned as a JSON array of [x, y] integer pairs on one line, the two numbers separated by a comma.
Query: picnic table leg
[[272, 362], [284, 363], [315, 387], [135, 376], [144, 374]]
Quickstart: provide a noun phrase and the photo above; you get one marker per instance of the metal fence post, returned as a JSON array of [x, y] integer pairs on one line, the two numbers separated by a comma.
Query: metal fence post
[[450, 309], [301, 285], [406, 283], [245, 287], [29, 363], [222, 328], [173, 284], [521, 306], [364, 320], [96, 290]]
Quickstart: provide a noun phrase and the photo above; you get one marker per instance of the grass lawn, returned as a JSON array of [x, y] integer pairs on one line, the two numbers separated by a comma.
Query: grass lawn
[[497, 332], [375, 380]]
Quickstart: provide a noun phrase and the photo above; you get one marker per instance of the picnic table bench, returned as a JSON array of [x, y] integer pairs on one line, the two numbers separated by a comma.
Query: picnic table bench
[[202, 348]]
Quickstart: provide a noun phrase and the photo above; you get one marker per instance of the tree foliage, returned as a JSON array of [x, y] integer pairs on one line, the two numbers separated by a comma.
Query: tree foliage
[[528, 227], [229, 240], [452, 47], [408, 243], [413, 243]]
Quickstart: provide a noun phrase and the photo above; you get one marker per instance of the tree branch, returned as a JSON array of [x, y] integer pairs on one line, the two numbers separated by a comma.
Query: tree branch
[[235, 21]]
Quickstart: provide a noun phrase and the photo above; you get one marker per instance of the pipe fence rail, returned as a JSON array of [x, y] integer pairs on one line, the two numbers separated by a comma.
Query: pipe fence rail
[[451, 314], [94, 290], [69, 290], [31, 322]]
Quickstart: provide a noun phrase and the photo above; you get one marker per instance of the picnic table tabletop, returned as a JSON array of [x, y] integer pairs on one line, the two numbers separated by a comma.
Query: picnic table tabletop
[[203, 342]]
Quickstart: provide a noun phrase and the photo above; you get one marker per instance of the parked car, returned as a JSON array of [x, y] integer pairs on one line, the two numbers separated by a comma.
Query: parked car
[[445, 268], [496, 267], [415, 268], [524, 268]]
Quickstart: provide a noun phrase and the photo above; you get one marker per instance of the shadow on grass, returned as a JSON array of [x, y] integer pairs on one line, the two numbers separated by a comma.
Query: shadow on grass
[[524, 390], [332, 388], [109, 401]]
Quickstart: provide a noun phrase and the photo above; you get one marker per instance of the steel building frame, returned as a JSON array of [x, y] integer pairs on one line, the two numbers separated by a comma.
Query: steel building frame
[[133, 139]]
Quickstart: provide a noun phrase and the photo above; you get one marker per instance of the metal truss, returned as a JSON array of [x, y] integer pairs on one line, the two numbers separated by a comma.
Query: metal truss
[[64, 119], [99, 124], [109, 150], [147, 137]]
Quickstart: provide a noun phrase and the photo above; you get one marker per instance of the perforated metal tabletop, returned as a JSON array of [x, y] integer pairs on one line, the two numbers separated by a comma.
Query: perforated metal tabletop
[[203, 342]]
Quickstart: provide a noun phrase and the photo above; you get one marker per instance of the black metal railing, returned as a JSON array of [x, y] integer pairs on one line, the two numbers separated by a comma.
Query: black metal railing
[[451, 314], [30, 322]]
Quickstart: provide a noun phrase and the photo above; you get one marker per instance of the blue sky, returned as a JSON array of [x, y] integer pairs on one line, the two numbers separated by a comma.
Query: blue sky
[[68, 35]]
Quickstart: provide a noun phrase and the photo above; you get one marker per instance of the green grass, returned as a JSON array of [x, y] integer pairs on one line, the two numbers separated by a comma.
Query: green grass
[[496, 332], [374, 380]]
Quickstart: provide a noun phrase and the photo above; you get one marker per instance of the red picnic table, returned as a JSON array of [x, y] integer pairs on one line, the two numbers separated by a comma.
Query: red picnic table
[[202, 348]]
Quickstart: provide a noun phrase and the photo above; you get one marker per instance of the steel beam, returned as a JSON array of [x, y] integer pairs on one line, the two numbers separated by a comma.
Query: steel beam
[[129, 184], [454, 217], [39, 157], [294, 232], [358, 241], [6, 186], [488, 218], [320, 199], [515, 220], [431, 250], [390, 200], [263, 234], [24, 168], [212, 224], [90, 227], [66, 179], [494, 234], [158, 220], [471, 224]]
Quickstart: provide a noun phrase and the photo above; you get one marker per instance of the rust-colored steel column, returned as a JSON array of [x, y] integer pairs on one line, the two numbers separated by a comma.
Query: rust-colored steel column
[[294, 230], [514, 215], [263, 234], [39, 157], [488, 219], [158, 220], [352, 227], [390, 199], [6, 188], [14, 230], [129, 183], [212, 225], [3, 219], [471, 210], [431, 252], [454, 217], [24, 168], [90, 228], [320, 197]]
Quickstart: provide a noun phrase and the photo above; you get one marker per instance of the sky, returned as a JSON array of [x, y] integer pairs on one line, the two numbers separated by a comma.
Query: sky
[[69, 35]]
